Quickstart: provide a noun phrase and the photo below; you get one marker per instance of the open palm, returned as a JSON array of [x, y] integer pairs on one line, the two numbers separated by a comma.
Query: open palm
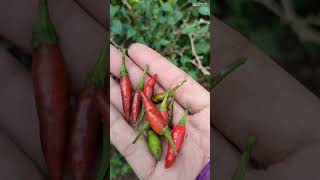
[[195, 152]]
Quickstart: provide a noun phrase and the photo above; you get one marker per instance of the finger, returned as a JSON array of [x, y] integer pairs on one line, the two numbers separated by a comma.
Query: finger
[[137, 155], [14, 164], [169, 76], [116, 100], [261, 99], [300, 165], [97, 9], [81, 37], [224, 158], [22, 127]]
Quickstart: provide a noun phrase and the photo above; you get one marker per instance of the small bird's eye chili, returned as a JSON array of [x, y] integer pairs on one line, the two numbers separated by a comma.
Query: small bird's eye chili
[[84, 134], [92, 104], [136, 102], [51, 91], [125, 87], [178, 135], [148, 90], [164, 107], [156, 120], [149, 86], [154, 144]]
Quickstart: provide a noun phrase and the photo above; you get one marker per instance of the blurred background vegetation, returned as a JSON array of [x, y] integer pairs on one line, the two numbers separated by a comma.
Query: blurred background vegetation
[[287, 30], [177, 29]]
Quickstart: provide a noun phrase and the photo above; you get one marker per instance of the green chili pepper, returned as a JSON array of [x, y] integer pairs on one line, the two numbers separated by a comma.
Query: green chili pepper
[[154, 144]]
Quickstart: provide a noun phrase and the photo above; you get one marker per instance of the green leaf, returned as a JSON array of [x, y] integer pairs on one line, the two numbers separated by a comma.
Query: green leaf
[[113, 10], [162, 20], [202, 48], [166, 7], [193, 74], [189, 29], [171, 20], [131, 32], [204, 29], [116, 27], [184, 60], [203, 10], [164, 42], [177, 16]]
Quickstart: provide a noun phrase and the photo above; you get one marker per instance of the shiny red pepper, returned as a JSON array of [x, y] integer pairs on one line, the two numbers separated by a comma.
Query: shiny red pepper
[[126, 89], [50, 85], [85, 124], [84, 135], [156, 120], [178, 135], [149, 87], [136, 102]]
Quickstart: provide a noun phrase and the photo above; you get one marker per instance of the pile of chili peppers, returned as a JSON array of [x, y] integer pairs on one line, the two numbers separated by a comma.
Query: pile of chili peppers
[[142, 104], [51, 91]]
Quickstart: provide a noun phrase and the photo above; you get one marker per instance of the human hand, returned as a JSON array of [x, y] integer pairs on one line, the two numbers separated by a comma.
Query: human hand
[[195, 152], [81, 36], [261, 99]]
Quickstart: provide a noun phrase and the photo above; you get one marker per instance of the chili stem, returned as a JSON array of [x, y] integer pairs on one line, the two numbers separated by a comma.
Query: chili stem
[[216, 79], [173, 90], [244, 160], [141, 131], [141, 81], [123, 70], [44, 32], [141, 116], [166, 133]]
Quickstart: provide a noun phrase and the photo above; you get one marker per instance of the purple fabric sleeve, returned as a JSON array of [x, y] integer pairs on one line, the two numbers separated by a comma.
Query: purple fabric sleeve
[[204, 173]]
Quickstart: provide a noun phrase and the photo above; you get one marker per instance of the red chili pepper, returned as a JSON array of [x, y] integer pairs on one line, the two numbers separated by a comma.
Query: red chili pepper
[[136, 102], [156, 120], [50, 84], [148, 90], [125, 86], [149, 87], [84, 135], [178, 134], [164, 107], [85, 125]]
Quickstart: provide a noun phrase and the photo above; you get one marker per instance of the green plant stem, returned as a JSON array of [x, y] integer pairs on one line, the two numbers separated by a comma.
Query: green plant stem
[[244, 160], [226, 71], [141, 116], [44, 32], [141, 131]]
